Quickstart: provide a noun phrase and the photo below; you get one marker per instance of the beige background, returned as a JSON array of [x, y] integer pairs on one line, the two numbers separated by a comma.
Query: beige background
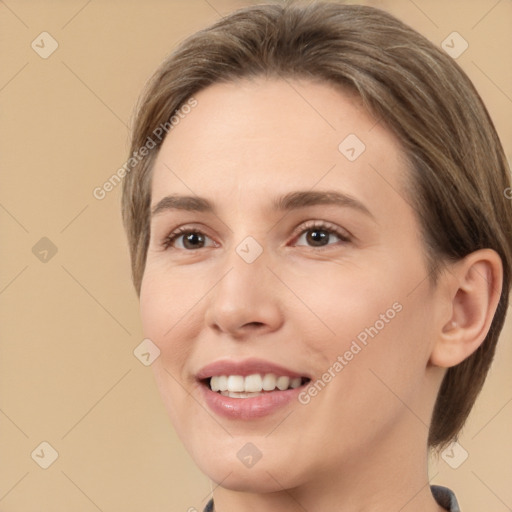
[[69, 325]]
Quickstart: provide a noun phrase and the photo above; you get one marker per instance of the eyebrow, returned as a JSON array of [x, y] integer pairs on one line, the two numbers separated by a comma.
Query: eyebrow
[[290, 201]]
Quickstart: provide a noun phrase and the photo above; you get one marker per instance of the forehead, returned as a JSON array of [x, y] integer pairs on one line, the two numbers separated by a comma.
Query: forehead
[[262, 135]]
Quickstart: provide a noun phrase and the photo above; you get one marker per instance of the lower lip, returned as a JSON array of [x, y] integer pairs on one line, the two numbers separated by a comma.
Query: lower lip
[[248, 408]]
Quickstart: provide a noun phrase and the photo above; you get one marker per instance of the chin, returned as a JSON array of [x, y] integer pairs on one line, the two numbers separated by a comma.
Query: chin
[[251, 480]]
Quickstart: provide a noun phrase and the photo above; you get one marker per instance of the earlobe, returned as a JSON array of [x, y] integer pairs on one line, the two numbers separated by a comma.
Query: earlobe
[[475, 288]]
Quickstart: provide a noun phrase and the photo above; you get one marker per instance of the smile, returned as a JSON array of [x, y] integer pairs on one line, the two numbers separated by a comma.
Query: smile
[[250, 388], [238, 386]]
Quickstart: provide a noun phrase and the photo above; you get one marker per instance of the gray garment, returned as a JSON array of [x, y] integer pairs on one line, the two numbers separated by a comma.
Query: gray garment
[[442, 495], [445, 498]]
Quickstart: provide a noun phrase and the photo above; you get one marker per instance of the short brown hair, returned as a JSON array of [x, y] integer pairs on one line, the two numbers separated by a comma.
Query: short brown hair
[[459, 173]]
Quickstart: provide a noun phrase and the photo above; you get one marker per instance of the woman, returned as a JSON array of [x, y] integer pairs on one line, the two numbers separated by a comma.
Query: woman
[[322, 245]]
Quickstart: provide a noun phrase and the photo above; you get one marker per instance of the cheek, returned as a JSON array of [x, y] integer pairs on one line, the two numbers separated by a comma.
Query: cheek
[[153, 311], [343, 300], [163, 309], [371, 317], [167, 299]]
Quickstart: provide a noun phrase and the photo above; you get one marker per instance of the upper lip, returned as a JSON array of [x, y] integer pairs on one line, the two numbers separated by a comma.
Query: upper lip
[[244, 368]]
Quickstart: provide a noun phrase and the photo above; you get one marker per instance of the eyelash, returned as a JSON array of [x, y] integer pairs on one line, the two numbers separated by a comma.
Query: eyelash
[[308, 226]]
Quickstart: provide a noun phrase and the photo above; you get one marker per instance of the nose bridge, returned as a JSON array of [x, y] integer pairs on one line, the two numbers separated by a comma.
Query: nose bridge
[[246, 273], [242, 296]]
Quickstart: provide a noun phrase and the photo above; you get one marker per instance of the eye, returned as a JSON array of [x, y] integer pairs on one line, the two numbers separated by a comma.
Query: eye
[[314, 234], [187, 239], [321, 234]]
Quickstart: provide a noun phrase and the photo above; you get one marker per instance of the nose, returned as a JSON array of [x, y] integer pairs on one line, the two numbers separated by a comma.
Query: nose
[[246, 300]]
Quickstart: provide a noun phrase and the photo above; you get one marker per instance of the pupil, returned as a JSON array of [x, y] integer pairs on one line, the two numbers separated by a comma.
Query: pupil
[[190, 240], [318, 237]]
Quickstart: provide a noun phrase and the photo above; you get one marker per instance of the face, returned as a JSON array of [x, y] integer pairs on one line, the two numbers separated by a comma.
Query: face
[[296, 255]]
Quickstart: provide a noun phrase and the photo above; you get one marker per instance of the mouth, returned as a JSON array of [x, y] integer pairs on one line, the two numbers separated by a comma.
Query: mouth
[[249, 389], [253, 385]]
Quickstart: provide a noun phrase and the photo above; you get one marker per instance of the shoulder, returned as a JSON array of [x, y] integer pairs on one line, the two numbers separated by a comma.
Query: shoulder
[[445, 497], [209, 506]]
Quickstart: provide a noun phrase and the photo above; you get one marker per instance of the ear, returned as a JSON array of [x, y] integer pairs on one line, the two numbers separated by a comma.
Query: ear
[[474, 286]]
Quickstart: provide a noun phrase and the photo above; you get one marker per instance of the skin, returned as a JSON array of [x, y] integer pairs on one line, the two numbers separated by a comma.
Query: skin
[[360, 444]]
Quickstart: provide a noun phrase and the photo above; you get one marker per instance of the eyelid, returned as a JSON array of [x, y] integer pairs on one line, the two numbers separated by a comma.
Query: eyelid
[[343, 234], [174, 234]]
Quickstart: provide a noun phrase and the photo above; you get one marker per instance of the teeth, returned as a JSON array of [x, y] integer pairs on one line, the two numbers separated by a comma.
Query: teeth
[[295, 382], [252, 385], [283, 383], [219, 383], [236, 383], [269, 382], [239, 395]]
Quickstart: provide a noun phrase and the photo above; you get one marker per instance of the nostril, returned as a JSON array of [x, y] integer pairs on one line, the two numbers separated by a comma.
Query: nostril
[[254, 324]]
